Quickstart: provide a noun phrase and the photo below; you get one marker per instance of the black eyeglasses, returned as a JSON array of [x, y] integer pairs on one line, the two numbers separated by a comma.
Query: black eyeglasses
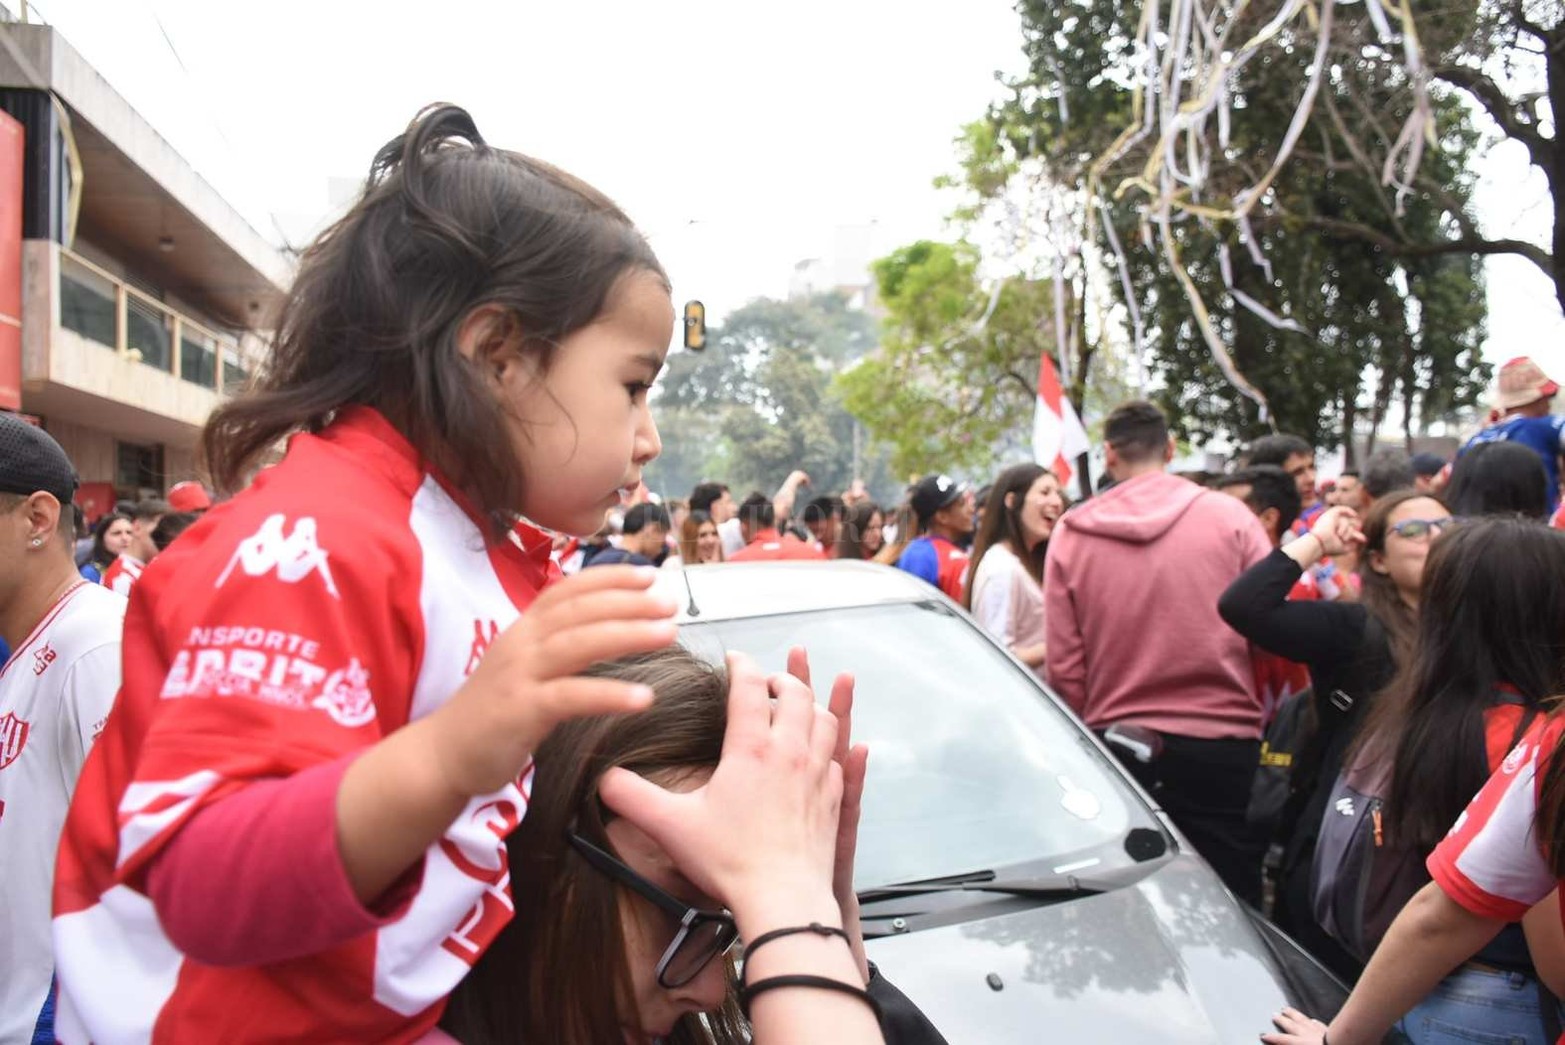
[[702, 935]]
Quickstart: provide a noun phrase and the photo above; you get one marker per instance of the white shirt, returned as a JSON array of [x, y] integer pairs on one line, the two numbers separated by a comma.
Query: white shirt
[[55, 694], [1007, 601], [732, 535]]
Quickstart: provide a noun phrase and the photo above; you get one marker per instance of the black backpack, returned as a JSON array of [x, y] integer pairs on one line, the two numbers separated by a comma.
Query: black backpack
[[1359, 883]]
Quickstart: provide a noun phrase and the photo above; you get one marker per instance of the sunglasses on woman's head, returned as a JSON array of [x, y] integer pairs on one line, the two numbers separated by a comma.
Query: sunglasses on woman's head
[[702, 935], [1417, 529]]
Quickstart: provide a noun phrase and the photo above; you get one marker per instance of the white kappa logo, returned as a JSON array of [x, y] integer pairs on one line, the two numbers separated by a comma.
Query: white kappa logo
[[293, 556], [1345, 805]]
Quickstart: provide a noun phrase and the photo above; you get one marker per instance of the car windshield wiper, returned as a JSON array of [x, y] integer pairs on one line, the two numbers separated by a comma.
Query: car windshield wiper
[[1043, 887]]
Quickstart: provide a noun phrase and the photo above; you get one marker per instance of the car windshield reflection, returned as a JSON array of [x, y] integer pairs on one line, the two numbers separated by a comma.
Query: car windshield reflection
[[970, 765]]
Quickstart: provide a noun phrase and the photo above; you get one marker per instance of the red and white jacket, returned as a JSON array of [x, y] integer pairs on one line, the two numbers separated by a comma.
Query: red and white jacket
[[348, 592]]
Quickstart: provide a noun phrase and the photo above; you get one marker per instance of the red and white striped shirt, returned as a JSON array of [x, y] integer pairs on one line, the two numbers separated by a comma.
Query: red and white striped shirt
[[348, 592]]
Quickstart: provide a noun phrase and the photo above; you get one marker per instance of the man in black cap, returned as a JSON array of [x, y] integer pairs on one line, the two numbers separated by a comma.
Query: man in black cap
[[55, 693], [944, 508]]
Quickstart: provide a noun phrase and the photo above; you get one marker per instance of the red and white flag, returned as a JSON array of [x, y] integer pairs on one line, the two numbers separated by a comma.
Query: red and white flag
[[1057, 435]]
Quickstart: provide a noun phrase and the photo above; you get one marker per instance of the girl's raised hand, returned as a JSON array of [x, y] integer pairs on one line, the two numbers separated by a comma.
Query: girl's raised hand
[[760, 835], [528, 680]]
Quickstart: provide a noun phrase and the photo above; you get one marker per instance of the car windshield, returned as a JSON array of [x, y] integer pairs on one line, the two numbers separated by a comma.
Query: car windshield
[[971, 766]]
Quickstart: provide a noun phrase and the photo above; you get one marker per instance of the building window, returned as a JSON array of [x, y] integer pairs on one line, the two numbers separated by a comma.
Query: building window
[[140, 467], [87, 304], [197, 359], [148, 331], [234, 375]]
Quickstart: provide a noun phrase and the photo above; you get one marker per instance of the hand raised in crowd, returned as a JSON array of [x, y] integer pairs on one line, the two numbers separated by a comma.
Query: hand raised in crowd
[[527, 682], [1338, 531], [854, 759]]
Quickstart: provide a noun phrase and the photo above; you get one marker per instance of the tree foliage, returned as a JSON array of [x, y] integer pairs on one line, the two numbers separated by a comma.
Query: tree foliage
[[953, 385], [1373, 284]]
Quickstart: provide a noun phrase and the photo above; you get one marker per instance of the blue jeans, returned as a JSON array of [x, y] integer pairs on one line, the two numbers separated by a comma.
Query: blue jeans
[[1475, 1005]]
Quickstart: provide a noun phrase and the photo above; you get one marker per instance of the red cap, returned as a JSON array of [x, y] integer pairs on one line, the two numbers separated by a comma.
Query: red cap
[[189, 497]]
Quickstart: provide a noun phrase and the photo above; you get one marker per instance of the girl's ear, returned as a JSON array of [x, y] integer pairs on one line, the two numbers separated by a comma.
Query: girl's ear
[[1010, 502], [1377, 562], [491, 337]]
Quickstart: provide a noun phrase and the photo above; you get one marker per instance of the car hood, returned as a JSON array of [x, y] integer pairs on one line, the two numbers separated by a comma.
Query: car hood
[[1172, 958]]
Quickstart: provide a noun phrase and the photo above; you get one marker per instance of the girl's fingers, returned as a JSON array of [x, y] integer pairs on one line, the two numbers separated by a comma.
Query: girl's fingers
[[567, 652], [580, 697], [601, 578], [597, 605], [643, 803], [854, 769]]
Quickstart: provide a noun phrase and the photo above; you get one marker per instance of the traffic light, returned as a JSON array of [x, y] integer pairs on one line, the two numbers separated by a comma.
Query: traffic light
[[695, 326]]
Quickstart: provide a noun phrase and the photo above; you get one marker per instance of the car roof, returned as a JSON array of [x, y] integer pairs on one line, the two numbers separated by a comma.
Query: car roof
[[733, 591]]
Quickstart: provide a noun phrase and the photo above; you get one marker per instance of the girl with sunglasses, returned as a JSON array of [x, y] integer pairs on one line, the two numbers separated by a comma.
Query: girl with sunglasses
[[655, 841], [1352, 649]]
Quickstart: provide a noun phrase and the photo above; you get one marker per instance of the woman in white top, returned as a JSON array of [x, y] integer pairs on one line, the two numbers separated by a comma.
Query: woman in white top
[[1005, 580]]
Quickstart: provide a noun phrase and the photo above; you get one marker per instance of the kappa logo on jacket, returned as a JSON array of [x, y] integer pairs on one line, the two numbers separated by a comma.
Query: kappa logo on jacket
[[13, 737], [292, 556]]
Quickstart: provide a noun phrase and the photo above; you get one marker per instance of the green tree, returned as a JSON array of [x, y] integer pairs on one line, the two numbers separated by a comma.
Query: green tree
[[1371, 282], [953, 384], [759, 402]]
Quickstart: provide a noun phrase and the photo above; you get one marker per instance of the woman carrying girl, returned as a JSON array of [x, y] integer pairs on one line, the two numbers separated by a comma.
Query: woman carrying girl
[[332, 693], [1005, 579]]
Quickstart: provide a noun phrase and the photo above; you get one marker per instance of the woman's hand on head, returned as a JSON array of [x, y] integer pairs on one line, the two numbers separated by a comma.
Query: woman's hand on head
[[528, 681], [1338, 531], [761, 833], [854, 760]]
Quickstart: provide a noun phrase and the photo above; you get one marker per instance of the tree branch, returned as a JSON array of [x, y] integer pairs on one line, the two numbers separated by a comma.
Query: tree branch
[[1402, 248], [1519, 14], [1032, 392], [1494, 101]]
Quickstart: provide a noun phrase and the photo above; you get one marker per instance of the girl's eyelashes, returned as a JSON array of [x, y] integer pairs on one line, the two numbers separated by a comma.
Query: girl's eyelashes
[[637, 389]]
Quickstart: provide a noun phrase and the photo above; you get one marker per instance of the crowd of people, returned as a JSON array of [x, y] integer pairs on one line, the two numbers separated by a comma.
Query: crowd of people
[[395, 742]]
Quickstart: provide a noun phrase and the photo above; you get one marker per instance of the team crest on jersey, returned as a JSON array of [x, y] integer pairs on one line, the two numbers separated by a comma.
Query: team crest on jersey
[[43, 658], [13, 737], [293, 555], [346, 696]]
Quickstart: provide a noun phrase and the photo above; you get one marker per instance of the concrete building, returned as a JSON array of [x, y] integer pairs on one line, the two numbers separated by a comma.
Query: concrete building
[[143, 295]]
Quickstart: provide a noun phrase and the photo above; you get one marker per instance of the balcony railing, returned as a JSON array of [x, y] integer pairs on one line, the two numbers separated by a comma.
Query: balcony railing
[[100, 307]]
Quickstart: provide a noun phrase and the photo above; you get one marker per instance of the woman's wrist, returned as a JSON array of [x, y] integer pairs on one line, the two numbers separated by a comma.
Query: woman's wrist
[[1301, 552], [776, 908]]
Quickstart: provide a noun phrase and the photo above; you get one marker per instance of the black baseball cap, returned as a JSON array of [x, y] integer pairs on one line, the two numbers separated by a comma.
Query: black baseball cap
[[1428, 464], [30, 461], [934, 492]]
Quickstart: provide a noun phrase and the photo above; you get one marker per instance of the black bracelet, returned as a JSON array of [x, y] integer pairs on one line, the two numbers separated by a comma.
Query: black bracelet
[[751, 946], [748, 994]]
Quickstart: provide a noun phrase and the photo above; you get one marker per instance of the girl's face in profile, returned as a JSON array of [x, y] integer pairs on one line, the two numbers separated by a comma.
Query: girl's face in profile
[[648, 931], [583, 431]]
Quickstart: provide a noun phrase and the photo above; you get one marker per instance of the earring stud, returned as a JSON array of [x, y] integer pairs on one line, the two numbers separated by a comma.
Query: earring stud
[[37, 542]]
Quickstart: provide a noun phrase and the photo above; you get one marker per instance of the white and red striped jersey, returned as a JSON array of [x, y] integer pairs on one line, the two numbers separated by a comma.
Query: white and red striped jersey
[[346, 593], [55, 693], [1490, 863], [122, 573]]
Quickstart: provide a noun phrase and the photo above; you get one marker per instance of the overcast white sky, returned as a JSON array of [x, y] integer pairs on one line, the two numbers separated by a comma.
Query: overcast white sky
[[739, 136]]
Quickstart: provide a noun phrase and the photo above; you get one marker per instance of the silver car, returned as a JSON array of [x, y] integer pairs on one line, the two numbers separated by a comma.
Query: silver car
[[1016, 883]]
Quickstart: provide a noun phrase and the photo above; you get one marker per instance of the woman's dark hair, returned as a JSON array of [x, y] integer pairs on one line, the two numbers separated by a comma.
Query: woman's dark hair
[[446, 224], [850, 542], [1499, 478], [169, 528], [101, 557], [1491, 613], [1002, 524], [1378, 592], [557, 972]]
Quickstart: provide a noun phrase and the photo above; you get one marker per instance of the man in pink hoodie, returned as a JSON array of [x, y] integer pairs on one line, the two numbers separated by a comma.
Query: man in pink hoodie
[[1136, 646]]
